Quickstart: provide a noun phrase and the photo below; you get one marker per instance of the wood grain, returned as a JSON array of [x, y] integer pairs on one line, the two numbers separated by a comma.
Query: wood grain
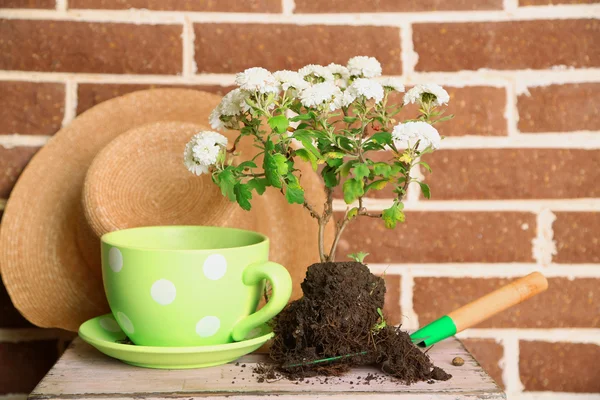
[[84, 373]]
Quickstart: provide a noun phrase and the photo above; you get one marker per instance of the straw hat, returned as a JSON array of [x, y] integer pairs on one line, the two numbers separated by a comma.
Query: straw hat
[[116, 166]]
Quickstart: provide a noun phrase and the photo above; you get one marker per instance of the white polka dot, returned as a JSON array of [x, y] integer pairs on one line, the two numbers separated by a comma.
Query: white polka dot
[[109, 324], [115, 259], [215, 267], [125, 323], [208, 326], [163, 292]]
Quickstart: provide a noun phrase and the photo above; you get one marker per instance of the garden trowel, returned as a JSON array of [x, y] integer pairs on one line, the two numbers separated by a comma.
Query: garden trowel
[[481, 309]]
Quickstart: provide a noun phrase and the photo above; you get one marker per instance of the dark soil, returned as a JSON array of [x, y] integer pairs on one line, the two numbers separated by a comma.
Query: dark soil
[[338, 316]]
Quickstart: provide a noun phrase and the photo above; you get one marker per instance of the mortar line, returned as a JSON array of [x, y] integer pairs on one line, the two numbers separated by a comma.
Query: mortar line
[[543, 244], [70, 102], [458, 79], [586, 11], [511, 113], [550, 335], [15, 140], [409, 319], [62, 6], [408, 56], [188, 37], [533, 206], [510, 6], [288, 7], [484, 270], [511, 371]]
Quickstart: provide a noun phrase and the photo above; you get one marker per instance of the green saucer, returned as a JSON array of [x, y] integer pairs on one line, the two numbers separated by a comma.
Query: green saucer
[[104, 334]]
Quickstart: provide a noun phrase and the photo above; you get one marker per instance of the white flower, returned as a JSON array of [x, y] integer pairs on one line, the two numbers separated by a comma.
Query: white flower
[[314, 70], [340, 74], [364, 67], [203, 150], [415, 94], [409, 133], [257, 79], [322, 93], [290, 79], [367, 88], [393, 84], [232, 104]]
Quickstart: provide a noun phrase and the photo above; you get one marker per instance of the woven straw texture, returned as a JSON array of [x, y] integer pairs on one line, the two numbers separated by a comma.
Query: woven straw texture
[[132, 147]]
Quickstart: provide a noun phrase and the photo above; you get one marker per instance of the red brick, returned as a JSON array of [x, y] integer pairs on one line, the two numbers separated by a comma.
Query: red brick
[[24, 364], [492, 174], [262, 6], [559, 367], [440, 237], [90, 94], [31, 108], [560, 108], [294, 47], [507, 45], [566, 304], [577, 237], [368, 6], [67, 46], [9, 316], [27, 4], [550, 2], [488, 353], [12, 163], [391, 310]]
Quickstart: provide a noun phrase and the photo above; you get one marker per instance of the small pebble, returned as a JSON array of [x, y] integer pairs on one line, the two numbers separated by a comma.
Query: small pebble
[[457, 361]]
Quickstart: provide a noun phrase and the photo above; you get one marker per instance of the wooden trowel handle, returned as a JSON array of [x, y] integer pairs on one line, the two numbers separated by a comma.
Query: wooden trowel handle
[[499, 300]]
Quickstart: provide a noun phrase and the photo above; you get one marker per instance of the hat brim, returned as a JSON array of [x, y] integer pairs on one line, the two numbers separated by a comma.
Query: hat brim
[[44, 245]]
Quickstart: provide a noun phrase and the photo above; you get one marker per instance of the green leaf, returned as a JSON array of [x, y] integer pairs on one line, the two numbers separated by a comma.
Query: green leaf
[[361, 171], [226, 181], [423, 163], [353, 189], [302, 117], [358, 257], [307, 156], [382, 137], [376, 185], [382, 169], [294, 192], [352, 213], [275, 166], [307, 141], [391, 216], [334, 154], [243, 194], [344, 170], [335, 162], [425, 189], [258, 184], [279, 123], [246, 164], [350, 120], [330, 176]]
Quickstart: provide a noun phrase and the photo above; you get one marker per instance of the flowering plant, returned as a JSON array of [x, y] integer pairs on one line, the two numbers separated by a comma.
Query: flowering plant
[[339, 115]]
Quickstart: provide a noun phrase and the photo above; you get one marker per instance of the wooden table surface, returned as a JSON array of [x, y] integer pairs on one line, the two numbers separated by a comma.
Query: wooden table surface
[[85, 373]]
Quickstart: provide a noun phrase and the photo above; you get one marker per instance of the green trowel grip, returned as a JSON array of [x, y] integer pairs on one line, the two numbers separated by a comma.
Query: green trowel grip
[[439, 329]]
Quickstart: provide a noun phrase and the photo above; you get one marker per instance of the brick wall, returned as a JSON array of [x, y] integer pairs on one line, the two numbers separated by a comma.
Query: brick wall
[[514, 190]]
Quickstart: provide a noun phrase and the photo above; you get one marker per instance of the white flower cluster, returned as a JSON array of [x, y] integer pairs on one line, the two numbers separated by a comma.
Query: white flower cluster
[[324, 93], [409, 133], [369, 89], [203, 150], [415, 94], [316, 86]]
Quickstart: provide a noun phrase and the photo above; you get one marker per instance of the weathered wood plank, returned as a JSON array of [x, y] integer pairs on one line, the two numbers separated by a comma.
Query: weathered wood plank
[[84, 373]]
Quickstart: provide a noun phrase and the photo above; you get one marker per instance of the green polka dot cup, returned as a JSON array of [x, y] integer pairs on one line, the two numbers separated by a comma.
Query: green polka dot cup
[[190, 285]]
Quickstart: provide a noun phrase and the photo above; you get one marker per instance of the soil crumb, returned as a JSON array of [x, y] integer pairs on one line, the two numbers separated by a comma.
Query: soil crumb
[[338, 319]]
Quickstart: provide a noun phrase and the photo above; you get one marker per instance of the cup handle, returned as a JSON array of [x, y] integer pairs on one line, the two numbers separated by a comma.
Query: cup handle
[[281, 283]]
